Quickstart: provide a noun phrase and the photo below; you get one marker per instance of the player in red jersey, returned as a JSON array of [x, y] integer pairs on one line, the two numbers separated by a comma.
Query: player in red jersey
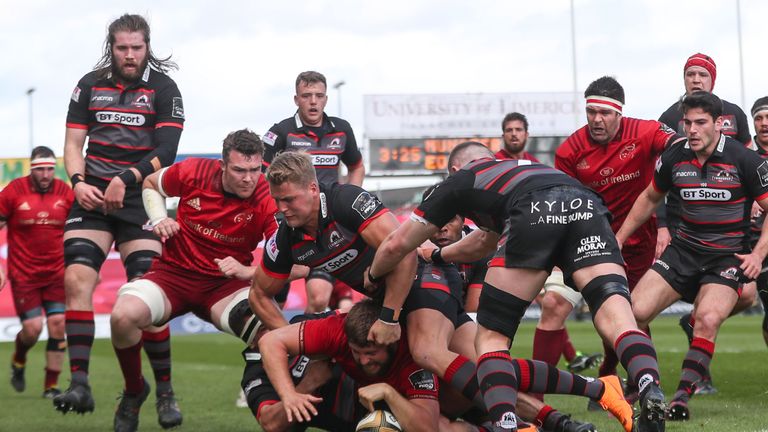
[[514, 130], [614, 155], [385, 372], [34, 209], [224, 212]]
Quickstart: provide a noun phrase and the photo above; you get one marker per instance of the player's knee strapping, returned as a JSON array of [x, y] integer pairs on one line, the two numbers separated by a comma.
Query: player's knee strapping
[[150, 293], [53, 308], [239, 320], [500, 311], [137, 263], [320, 274], [56, 345], [83, 251], [597, 291]]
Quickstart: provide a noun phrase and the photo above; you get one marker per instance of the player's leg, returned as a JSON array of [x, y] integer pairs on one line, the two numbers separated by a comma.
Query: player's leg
[[26, 338], [506, 294], [604, 288], [762, 289], [231, 313], [550, 330], [86, 245], [140, 304], [713, 305], [56, 345]]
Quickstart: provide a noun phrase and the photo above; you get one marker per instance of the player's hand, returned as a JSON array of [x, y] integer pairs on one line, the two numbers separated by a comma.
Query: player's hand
[[166, 228], [384, 333], [757, 211], [2, 279], [425, 251], [300, 407], [663, 239], [232, 268], [114, 195], [373, 393], [370, 285], [88, 196], [751, 264]]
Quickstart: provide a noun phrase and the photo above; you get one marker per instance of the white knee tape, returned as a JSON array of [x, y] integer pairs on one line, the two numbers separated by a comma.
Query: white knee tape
[[555, 283], [150, 293], [224, 321]]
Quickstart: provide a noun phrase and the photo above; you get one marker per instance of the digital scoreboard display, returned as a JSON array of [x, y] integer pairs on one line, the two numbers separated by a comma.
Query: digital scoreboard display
[[418, 156]]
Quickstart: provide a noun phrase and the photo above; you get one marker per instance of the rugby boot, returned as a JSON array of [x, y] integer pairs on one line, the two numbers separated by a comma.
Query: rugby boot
[[583, 362], [613, 401], [127, 412], [168, 412], [77, 398], [705, 387], [567, 424], [51, 393], [17, 378], [653, 411], [678, 411]]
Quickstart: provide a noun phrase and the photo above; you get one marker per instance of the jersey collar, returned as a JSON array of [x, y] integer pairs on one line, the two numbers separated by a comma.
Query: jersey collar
[[300, 124]]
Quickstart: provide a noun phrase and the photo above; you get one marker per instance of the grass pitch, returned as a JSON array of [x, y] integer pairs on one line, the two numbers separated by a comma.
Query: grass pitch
[[207, 371]]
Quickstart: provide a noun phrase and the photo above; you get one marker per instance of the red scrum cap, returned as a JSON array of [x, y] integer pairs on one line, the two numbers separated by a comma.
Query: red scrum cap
[[704, 61]]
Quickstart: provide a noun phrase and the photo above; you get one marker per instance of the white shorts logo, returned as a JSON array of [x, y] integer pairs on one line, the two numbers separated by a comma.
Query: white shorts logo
[[121, 118]]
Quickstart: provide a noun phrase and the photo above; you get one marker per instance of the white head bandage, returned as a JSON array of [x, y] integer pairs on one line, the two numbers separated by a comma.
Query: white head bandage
[[42, 162], [605, 102]]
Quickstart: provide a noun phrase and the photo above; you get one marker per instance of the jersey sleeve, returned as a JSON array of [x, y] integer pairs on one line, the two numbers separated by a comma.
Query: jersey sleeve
[[354, 207], [743, 125], [6, 203], [78, 114], [443, 202], [416, 383], [277, 260], [756, 173], [662, 174], [564, 159], [274, 142], [169, 106], [171, 180], [323, 336], [351, 157], [661, 136]]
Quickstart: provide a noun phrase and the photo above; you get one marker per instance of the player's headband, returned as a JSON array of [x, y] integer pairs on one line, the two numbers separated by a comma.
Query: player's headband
[[42, 162], [758, 109], [604, 102]]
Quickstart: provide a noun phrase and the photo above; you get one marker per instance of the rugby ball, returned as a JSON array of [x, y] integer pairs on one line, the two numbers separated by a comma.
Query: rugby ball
[[379, 421]]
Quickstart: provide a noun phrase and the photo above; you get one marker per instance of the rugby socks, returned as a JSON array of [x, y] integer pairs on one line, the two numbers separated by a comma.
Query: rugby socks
[[548, 418], [80, 332], [52, 347], [535, 376], [20, 352], [498, 384], [158, 349], [548, 345], [461, 374], [638, 357], [130, 363], [569, 352], [695, 367], [51, 379]]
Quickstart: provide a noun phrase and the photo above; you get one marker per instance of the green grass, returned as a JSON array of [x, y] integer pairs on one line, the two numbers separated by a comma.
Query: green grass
[[207, 371]]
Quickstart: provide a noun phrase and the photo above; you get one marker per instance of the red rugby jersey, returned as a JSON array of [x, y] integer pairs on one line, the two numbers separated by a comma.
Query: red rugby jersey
[[214, 224], [326, 337], [620, 170], [35, 230]]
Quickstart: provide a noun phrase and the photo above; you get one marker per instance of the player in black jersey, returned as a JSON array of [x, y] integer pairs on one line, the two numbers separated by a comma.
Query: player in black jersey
[[132, 114], [760, 120], [716, 179], [333, 228], [518, 204], [330, 141]]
